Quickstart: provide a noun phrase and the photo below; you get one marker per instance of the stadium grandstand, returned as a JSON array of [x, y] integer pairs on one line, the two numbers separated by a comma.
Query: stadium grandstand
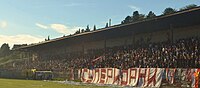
[[170, 41]]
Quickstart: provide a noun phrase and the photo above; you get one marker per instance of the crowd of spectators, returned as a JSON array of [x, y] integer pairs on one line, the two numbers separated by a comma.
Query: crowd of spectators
[[183, 53]]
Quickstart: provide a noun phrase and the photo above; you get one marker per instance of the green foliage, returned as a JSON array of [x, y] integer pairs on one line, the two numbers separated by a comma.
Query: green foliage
[[48, 38], [78, 31], [138, 17], [4, 50], [135, 16], [82, 30], [106, 25], [127, 19], [168, 11], [191, 6], [151, 15], [87, 29], [141, 17], [94, 28]]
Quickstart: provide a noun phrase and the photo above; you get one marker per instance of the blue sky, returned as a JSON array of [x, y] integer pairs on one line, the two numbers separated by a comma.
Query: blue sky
[[31, 21]]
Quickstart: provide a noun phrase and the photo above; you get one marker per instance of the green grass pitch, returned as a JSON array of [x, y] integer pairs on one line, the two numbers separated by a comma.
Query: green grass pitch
[[14, 83]]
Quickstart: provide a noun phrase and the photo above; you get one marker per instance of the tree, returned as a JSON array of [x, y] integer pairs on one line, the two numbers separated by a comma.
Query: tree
[[48, 38], [106, 25], [87, 29], [4, 50], [78, 31], [141, 17], [109, 22], [122, 22], [151, 15], [82, 30], [191, 6], [127, 19], [168, 11], [94, 28], [136, 16]]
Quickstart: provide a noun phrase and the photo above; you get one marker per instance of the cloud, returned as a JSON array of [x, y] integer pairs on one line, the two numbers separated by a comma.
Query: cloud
[[64, 29], [3, 24], [20, 39], [60, 28], [41, 26], [134, 8]]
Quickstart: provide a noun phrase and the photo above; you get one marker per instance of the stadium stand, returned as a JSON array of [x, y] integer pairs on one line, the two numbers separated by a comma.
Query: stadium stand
[[184, 53], [168, 42]]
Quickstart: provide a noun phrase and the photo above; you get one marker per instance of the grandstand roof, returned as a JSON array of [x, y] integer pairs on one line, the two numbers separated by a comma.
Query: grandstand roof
[[179, 19]]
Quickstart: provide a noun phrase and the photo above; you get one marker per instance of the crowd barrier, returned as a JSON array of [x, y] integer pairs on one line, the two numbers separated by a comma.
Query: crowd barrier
[[138, 77]]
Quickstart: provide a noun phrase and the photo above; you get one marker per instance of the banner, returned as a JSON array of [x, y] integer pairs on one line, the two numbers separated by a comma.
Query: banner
[[136, 77], [140, 77]]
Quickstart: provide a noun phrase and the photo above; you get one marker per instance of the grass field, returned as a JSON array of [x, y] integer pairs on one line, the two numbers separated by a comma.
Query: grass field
[[13, 83]]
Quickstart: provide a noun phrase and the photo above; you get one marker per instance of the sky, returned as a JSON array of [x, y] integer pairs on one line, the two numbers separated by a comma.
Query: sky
[[31, 21]]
